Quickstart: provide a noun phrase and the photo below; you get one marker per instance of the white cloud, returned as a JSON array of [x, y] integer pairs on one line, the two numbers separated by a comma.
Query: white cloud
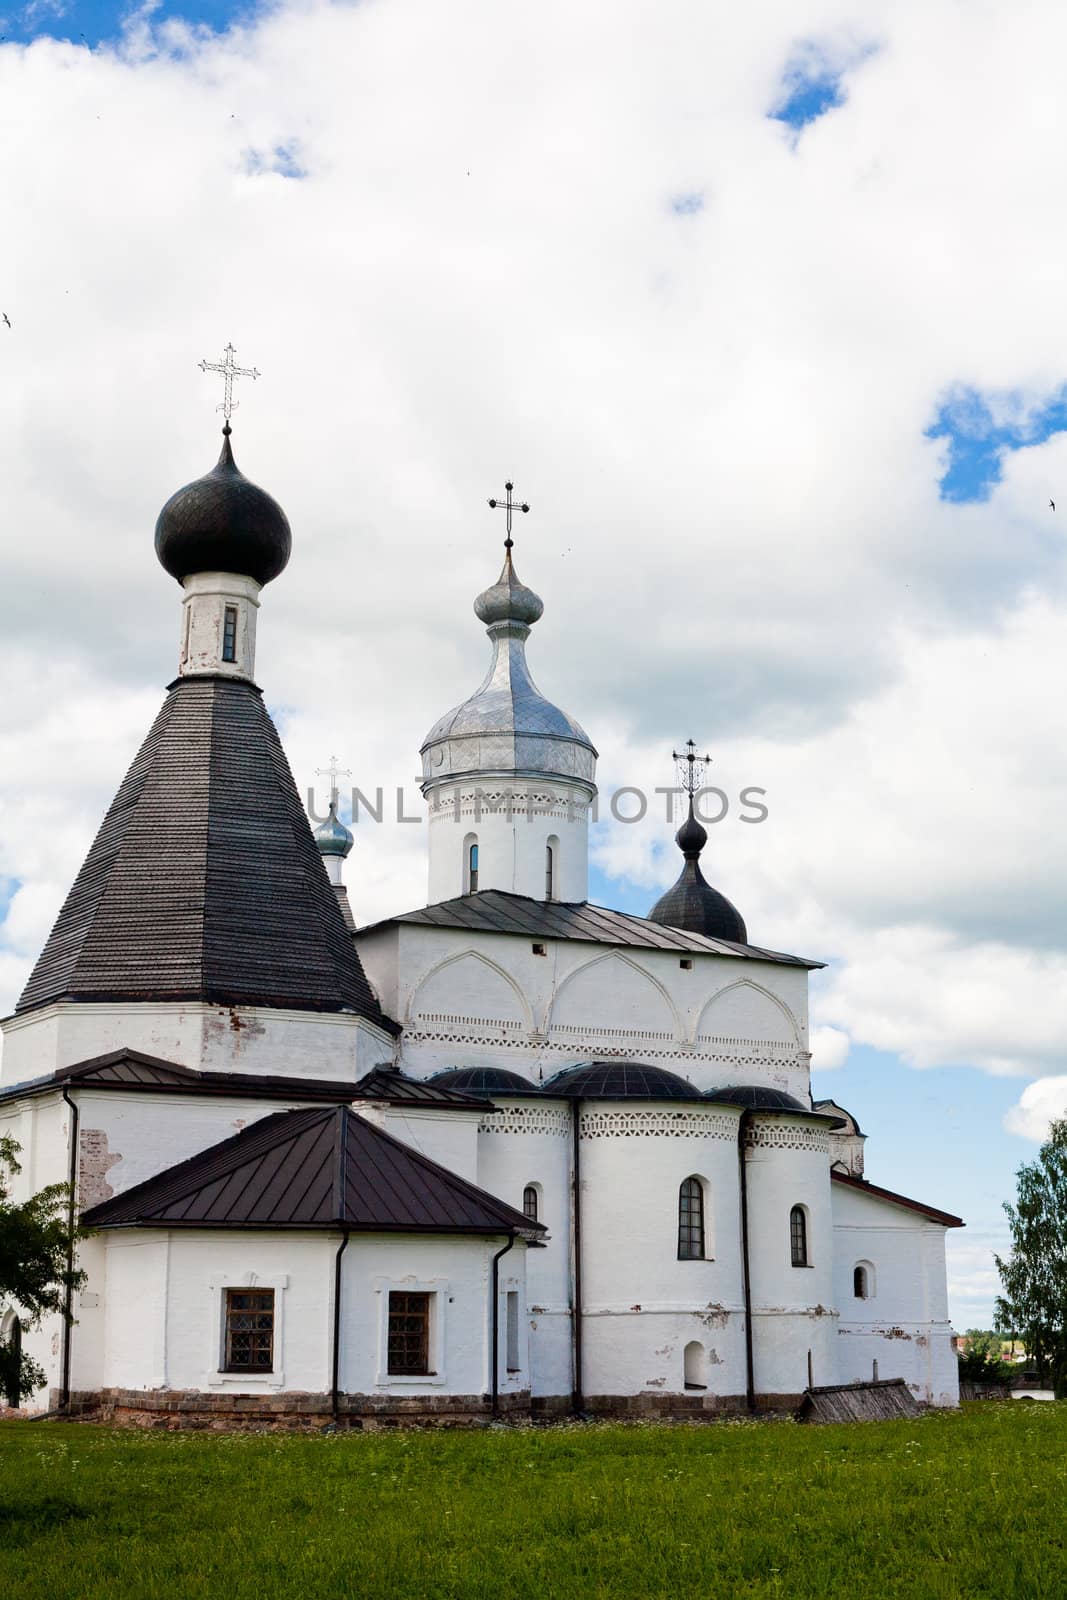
[[718, 417], [1040, 1103], [829, 1049]]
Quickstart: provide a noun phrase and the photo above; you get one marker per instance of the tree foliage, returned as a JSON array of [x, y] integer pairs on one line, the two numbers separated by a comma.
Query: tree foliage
[[982, 1361], [35, 1245], [1034, 1277]]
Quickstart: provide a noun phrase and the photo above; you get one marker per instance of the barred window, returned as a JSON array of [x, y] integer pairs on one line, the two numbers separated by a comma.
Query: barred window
[[409, 1333], [249, 1330], [229, 634], [798, 1236], [529, 1203], [691, 1220]]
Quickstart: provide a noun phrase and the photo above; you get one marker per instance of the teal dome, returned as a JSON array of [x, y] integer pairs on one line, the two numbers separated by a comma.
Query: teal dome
[[332, 837]]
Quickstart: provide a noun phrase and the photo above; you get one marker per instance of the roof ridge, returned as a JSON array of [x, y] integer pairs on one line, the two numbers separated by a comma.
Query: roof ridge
[[453, 1178]]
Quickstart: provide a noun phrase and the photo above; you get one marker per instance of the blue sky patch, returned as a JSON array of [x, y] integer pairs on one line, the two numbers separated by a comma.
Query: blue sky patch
[[283, 159], [89, 22], [813, 83], [687, 205], [979, 428]]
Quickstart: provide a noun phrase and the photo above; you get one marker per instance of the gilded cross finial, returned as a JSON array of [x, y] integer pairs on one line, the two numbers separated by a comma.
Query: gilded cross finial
[[333, 772], [509, 506], [691, 767], [230, 370]]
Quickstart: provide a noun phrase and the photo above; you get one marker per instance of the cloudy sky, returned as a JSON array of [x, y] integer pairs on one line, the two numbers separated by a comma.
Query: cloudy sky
[[761, 306]]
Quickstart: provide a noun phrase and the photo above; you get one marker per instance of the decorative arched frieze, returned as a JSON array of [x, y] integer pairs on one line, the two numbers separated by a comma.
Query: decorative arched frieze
[[449, 1017], [662, 1027], [601, 1123], [770, 1038], [548, 1121], [784, 1135]]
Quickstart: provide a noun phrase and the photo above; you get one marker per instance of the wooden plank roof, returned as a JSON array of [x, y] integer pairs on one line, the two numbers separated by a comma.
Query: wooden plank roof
[[497, 911], [204, 882], [321, 1167]]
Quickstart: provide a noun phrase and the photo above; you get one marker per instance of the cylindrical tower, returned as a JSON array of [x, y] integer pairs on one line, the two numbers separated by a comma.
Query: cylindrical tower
[[509, 777]]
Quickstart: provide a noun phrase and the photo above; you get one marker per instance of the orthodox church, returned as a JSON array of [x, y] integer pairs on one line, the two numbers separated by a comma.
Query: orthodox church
[[506, 1153]]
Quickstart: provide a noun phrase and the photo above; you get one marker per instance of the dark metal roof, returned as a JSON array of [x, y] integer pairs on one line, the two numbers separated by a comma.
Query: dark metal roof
[[619, 1080], [324, 1167], [831, 1108], [693, 905], [757, 1097], [945, 1217], [222, 522], [204, 882], [485, 1081], [125, 1069], [496, 911], [386, 1083]]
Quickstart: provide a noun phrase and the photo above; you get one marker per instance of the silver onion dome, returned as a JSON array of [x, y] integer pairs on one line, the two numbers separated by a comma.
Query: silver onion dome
[[332, 837], [507, 726]]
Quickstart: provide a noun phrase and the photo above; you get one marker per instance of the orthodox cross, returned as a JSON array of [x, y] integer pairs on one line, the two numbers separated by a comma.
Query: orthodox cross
[[230, 370], [691, 767], [509, 506], [333, 772]]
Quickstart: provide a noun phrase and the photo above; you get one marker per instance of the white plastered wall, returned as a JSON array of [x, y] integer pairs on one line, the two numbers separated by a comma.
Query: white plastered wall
[[904, 1324]]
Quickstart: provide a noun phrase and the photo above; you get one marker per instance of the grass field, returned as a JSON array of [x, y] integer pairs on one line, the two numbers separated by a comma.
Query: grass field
[[968, 1505]]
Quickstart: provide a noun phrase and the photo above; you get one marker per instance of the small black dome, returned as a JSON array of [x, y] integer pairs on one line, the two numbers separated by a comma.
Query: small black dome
[[223, 523], [692, 904], [484, 1080], [619, 1080], [757, 1097]]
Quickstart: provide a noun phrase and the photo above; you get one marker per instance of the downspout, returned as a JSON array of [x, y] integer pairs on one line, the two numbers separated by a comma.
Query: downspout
[[495, 1321], [750, 1379], [68, 1293], [335, 1398], [576, 1315]]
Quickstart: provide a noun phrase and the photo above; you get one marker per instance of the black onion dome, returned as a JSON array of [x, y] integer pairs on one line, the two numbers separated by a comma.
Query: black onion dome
[[223, 523], [619, 1080], [484, 1081], [692, 904]]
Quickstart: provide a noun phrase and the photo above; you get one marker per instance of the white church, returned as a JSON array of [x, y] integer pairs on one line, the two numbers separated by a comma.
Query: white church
[[507, 1153]]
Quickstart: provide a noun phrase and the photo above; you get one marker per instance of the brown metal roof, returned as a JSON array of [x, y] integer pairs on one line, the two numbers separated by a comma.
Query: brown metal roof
[[387, 1083], [204, 882], [323, 1167], [125, 1069], [864, 1187], [496, 911]]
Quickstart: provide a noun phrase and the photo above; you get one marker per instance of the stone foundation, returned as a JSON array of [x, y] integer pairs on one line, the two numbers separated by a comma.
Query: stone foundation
[[192, 1409], [699, 1407]]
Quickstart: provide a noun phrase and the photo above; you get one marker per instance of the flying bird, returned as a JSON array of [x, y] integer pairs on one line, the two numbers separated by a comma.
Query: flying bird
[[1052, 503], [7, 319]]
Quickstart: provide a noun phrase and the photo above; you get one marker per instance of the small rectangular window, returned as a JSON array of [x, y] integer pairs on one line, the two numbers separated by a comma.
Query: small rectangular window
[[409, 1333], [229, 634], [539, 949], [686, 964], [249, 1343], [513, 1330]]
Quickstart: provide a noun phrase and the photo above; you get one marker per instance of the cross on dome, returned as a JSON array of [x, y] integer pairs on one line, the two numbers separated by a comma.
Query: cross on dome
[[333, 771], [509, 506], [230, 370], [691, 767]]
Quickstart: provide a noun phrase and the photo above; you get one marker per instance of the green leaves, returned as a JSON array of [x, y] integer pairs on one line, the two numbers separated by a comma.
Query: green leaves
[[1034, 1277], [36, 1268]]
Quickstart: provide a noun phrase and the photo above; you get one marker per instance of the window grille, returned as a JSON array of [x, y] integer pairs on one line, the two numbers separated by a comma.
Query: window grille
[[249, 1330], [409, 1333], [691, 1220], [229, 634], [529, 1203], [798, 1236]]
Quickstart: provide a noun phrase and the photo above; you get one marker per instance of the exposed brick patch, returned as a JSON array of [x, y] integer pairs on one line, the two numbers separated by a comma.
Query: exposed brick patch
[[95, 1161]]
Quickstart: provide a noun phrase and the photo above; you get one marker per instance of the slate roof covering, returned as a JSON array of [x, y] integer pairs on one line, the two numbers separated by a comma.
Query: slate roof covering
[[324, 1167], [485, 1081], [204, 882], [945, 1217], [496, 911], [619, 1080], [126, 1069], [386, 1083]]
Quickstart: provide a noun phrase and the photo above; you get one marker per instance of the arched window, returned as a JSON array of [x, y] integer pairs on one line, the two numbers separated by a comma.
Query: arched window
[[529, 1203], [11, 1339], [859, 1282], [470, 864], [691, 1220], [552, 868], [798, 1236]]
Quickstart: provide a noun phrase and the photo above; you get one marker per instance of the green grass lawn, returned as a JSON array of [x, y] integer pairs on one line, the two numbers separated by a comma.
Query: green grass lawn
[[972, 1504]]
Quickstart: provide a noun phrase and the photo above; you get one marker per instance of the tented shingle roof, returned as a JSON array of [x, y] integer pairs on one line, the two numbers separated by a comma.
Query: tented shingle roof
[[324, 1167], [204, 882]]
